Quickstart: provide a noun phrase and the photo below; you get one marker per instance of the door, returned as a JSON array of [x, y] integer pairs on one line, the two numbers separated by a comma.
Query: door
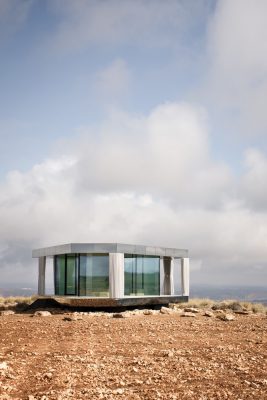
[[71, 275]]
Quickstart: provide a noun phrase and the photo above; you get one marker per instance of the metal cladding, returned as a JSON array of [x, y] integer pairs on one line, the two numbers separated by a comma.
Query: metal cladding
[[73, 248]]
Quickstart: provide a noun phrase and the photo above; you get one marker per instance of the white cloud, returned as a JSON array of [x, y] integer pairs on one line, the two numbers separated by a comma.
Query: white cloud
[[254, 181], [116, 22], [112, 83], [148, 179], [238, 62]]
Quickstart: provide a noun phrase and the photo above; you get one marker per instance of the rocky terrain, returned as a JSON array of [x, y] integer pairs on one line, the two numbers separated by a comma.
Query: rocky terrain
[[174, 353]]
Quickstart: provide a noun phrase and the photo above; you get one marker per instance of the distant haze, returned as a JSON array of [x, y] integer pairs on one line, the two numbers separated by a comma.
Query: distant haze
[[139, 122]]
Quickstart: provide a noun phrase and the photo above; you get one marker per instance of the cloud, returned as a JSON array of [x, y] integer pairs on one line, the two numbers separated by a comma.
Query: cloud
[[119, 22], [157, 154], [140, 179], [254, 181], [13, 15], [237, 56], [112, 83]]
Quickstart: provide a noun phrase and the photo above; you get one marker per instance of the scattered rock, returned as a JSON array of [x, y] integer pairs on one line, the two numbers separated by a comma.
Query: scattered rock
[[118, 391], [7, 312], [208, 314], [119, 315], [48, 375], [226, 317], [192, 310], [188, 314], [166, 310], [149, 312], [73, 318], [167, 353], [42, 314], [69, 319], [219, 312], [242, 312], [3, 365]]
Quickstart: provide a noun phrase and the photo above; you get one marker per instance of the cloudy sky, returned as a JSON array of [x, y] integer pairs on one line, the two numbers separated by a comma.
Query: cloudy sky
[[136, 121]]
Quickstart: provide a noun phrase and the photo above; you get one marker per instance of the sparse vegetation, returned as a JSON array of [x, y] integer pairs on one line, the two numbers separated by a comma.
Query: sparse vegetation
[[15, 302], [229, 304]]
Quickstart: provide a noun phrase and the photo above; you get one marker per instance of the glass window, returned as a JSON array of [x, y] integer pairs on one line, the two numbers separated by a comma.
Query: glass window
[[141, 275], [60, 275], [94, 275], [71, 275]]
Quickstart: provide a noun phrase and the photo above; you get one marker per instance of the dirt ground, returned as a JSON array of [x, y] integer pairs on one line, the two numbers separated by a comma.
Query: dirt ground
[[162, 356]]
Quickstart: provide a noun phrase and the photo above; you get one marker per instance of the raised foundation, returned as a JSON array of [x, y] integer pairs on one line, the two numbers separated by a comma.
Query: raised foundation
[[105, 303]]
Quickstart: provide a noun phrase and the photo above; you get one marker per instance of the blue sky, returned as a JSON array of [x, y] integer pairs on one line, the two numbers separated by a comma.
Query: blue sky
[[143, 120]]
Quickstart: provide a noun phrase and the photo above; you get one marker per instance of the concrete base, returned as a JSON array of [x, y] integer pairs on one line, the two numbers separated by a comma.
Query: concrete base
[[105, 304]]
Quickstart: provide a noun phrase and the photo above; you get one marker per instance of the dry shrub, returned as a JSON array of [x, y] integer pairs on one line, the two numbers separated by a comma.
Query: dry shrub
[[16, 302], [197, 303], [228, 304]]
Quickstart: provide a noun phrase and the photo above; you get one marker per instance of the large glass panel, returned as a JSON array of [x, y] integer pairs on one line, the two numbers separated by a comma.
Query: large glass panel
[[129, 275], [71, 275], [151, 276], [59, 275], [94, 275], [141, 275]]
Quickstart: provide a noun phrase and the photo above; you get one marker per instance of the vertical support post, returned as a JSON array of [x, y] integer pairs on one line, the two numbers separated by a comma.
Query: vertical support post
[[161, 276], [116, 275], [185, 276], [41, 276], [168, 284], [171, 277]]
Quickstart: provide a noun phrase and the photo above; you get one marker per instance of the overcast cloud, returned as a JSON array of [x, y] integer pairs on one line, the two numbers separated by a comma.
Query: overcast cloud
[[139, 122]]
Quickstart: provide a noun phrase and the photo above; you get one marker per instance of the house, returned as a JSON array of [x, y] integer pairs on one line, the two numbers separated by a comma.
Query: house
[[104, 274]]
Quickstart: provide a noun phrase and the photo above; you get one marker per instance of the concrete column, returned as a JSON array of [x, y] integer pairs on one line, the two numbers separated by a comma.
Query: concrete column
[[116, 275], [168, 284], [41, 276], [185, 276], [162, 275]]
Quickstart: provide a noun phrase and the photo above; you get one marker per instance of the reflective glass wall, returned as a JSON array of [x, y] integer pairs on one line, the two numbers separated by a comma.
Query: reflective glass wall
[[141, 275], [94, 275], [82, 275]]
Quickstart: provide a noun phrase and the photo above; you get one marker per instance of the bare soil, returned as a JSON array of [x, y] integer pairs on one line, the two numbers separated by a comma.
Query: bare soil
[[161, 356]]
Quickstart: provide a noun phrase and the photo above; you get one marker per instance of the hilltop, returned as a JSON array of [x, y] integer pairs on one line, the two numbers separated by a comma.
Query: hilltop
[[199, 351]]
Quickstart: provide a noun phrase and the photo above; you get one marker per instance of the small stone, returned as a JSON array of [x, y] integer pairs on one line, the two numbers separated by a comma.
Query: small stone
[[3, 365], [166, 310], [48, 375], [254, 385], [191, 310], [72, 318], [118, 391], [149, 312], [226, 317], [31, 397], [188, 314], [208, 314], [7, 312], [119, 315], [42, 314], [167, 353]]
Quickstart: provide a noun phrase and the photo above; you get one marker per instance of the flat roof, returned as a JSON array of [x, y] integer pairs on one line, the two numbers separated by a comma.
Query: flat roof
[[109, 248]]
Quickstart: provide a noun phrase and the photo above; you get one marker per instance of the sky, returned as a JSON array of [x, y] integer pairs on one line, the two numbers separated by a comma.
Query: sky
[[139, 122]]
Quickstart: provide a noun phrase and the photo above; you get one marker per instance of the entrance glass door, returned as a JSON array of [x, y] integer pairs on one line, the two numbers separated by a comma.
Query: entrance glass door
[[71, 275]]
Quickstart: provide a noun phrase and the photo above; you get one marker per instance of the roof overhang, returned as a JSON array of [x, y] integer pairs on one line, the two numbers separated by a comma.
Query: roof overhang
[[71, 248]]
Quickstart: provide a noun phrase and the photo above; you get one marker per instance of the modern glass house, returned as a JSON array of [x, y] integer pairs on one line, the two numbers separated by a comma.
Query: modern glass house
[[123, 273]]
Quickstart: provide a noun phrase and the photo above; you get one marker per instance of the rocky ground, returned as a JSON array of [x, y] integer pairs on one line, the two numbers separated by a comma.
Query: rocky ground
[[172, 354]]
